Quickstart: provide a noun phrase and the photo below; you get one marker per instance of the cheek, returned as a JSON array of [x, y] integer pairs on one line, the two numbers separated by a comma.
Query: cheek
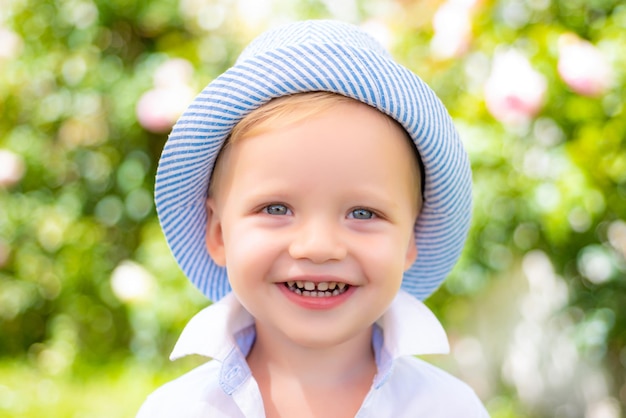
[[383, 257], [248, 248]]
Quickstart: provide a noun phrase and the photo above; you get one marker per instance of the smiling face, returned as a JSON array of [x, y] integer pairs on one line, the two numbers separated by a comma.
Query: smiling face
[[314, 222]]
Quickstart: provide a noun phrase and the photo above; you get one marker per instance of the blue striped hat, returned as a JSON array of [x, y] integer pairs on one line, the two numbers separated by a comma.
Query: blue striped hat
[[302, 57]]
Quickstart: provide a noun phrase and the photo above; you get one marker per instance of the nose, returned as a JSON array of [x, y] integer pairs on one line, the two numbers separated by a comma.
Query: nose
[[318, 241]]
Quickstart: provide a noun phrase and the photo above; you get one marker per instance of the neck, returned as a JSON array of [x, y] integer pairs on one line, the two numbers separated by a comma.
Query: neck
[[293, 374], [312, 364]]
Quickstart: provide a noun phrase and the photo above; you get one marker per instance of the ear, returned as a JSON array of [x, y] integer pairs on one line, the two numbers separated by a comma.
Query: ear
[[411, 253], [214, 239]]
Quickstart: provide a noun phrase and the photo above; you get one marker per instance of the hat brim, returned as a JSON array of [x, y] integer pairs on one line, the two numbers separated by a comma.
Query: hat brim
[[360, 73]]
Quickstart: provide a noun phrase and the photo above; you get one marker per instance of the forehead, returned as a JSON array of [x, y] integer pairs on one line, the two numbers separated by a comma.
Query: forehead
[[348, 141]]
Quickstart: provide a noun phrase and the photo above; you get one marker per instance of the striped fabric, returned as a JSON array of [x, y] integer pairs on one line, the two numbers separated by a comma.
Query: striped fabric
[[315, 56]]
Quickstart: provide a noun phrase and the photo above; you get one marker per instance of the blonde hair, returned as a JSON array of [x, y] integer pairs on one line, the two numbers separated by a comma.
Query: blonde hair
[[287, 110]]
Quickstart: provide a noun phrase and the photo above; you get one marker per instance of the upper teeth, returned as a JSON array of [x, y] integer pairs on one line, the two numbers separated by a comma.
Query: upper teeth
[[321, 286]]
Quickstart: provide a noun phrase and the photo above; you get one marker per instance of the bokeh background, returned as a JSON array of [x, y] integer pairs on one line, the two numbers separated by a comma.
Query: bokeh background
[[91, 301]]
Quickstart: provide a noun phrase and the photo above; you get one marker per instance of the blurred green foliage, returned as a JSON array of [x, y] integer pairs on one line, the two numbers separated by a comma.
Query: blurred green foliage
[[76, 190]]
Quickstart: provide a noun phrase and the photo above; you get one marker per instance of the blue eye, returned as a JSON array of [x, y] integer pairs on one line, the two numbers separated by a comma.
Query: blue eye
[[276, 209], [361, 214]]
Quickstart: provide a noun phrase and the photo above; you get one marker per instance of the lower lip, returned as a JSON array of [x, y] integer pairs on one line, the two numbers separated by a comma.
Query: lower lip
[[315, 303]]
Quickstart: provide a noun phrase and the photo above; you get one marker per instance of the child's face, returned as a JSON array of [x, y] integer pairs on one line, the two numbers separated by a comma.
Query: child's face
[[332, 201]]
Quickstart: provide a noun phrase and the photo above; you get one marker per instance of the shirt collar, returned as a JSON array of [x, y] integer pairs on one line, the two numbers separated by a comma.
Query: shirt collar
[[211, 332], [409, 328]]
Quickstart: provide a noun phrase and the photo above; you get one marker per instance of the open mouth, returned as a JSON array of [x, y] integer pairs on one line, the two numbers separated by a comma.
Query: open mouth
[[317, 290]]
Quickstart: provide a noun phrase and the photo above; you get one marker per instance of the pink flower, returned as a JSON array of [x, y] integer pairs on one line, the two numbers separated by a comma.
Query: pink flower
[[12, 168], [583, 67], [514, 91], [452, 25], [159, 108]]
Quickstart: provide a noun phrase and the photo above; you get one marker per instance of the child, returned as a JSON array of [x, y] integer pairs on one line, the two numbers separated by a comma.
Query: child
[[316, 191]]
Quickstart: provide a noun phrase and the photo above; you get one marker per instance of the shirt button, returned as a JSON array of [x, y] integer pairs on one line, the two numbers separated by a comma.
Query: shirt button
[[232, 373]]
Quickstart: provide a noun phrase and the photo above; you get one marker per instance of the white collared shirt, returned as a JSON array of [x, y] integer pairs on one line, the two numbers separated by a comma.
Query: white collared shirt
[[404, 386]]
